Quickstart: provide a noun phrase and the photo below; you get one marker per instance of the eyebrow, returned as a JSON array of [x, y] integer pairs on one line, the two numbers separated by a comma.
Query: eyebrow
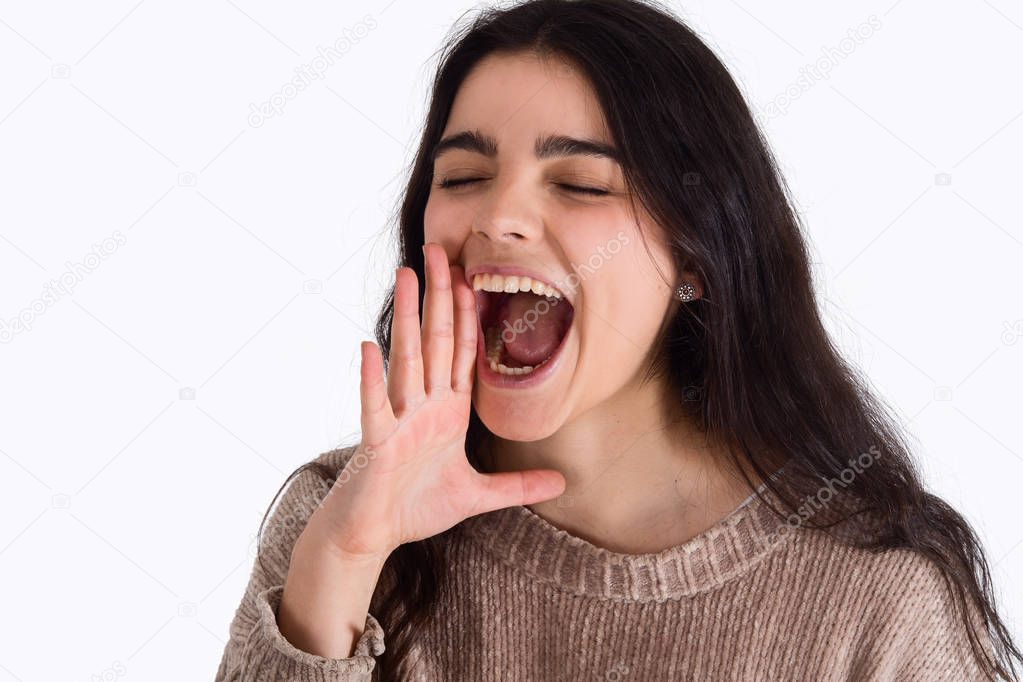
[[546, 147]]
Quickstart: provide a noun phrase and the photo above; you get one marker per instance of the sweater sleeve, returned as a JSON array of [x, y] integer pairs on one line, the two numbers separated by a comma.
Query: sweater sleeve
[[256, 649], [921, 635]]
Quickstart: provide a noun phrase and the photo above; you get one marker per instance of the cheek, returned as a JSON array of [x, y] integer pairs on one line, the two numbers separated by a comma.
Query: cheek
[[640, 301], [616, 256], [433, 218], [445, 224], [627, 285]]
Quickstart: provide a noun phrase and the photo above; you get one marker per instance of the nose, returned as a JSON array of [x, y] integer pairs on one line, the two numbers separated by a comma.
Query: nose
[[507, 215]]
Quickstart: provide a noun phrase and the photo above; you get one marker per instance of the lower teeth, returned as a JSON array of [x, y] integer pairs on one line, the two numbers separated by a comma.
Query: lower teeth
[[495, 346], [511, 371]]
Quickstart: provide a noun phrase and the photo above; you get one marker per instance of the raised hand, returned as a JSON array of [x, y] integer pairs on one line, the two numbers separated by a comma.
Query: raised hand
[[410, 478]]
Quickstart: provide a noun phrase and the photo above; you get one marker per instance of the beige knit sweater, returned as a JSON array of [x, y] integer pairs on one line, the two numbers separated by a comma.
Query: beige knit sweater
[[745, 600]]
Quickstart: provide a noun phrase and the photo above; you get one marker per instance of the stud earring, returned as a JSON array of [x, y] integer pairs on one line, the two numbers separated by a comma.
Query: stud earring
[[686, 292]]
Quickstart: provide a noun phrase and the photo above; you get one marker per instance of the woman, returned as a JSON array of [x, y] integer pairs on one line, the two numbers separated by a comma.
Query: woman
[[620, 444]]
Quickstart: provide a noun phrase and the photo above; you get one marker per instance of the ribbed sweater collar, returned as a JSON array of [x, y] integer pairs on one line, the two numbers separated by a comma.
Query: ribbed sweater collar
[[521, 538]]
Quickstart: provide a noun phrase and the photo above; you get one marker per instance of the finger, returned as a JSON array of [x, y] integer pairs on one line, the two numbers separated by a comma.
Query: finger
[[438, 324], [405, 363], [376, 418], [512, 488], [464, 362]]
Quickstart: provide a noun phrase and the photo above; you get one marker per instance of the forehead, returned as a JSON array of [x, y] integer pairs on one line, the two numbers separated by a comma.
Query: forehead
[[519, 95]]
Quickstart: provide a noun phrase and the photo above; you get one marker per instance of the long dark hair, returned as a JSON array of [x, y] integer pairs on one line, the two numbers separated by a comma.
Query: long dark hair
[[750, 362]]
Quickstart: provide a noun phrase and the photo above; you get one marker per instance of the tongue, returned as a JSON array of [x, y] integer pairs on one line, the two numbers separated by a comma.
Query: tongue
[[531, 326]]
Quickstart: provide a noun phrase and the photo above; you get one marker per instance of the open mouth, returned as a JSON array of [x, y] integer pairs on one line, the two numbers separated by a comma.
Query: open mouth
[[524, 322]]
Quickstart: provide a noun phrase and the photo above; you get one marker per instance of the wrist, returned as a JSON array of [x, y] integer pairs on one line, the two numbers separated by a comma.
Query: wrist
[[319, 547]]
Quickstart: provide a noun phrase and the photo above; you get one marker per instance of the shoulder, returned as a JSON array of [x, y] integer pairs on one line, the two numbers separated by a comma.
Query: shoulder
[[309, 483], [336, 458], [906, 622], [300, 495]]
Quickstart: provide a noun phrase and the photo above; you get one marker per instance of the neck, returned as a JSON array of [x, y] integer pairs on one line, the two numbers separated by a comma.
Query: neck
[[640, 478]]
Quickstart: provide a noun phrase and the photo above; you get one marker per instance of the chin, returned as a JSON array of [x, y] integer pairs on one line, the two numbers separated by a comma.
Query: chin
[[519, 422]]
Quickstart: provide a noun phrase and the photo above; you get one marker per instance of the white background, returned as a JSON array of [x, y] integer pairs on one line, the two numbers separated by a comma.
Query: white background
[[254, 259]]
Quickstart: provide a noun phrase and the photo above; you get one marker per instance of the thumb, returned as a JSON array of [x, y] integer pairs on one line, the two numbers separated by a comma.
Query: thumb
[[512, 488]]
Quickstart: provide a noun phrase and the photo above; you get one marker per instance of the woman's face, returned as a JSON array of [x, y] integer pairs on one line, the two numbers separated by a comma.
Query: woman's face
[[521, 216]]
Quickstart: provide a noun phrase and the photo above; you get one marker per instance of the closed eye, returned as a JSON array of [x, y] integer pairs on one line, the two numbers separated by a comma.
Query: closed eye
[[452, 183]]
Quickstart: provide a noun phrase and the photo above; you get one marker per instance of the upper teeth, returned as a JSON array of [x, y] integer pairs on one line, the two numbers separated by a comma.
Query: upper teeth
[[511, 284]]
